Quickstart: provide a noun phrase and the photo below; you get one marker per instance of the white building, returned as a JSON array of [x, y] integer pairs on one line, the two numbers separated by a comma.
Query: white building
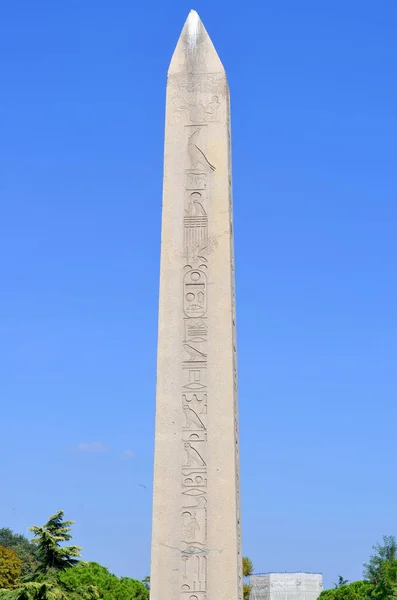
[[286, 586]]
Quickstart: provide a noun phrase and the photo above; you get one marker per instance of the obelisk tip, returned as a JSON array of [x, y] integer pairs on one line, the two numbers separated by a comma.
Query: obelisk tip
[[192, 28], [194, 52]]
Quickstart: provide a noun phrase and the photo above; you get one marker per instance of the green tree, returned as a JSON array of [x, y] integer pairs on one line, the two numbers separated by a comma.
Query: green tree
[[48, 538], [248, 569], [108, 585], [380, 577], [10, 568], [386, 584], [48, 590], [384, 553], [45, 582], [381, 570], [357, 590], [23, 548]]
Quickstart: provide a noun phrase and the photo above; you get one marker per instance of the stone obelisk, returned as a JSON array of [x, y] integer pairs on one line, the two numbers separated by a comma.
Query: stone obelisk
[[196, 540]]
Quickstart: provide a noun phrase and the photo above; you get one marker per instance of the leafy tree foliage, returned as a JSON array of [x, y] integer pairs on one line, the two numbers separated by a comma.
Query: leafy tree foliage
[[246, 591], [381, 571], [49, 589], [248, 566], [48, 538], [358, 590], [10, 568], [109, 586], [248, 569], [383, 553], [380, 577], [23, 548], [45, 583]]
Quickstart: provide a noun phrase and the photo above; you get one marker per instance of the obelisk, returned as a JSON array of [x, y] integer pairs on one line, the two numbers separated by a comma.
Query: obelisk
[[196, 539]]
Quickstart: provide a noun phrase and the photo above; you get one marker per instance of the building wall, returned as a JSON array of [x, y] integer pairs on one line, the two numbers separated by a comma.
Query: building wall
[[286, 586]]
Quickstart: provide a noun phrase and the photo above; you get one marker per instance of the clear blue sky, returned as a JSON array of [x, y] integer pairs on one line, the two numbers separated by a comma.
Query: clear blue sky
[[314, 99]]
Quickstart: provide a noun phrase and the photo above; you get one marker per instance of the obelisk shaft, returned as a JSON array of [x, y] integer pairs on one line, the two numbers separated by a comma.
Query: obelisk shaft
[[196, 540]]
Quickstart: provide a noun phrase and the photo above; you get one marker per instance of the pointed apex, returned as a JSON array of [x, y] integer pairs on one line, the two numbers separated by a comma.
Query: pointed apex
[[193, 23], [193, 15], [193, 26], [195, 52]]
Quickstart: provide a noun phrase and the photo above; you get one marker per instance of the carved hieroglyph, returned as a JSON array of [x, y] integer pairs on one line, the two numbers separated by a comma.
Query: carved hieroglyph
[[196, 538]]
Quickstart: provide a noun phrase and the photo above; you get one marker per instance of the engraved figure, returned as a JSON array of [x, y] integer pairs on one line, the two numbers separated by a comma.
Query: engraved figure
[[199, 402], [192, 418], [196, 330], [196, 155], [193, 478], [194, 354], [192, 456], [198, 113], [195, 300], [211, 109], [196, 382], [191, 527], [192, 111], [212, 83], [185, 559], [196, 493], [196, 181], [196, 253], [195, 208], [194, 549], [195, 436], [201, 503]]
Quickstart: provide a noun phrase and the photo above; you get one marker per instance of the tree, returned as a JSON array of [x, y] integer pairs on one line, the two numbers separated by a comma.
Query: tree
[[48, 590], [45, 582], [10, 568], [357, 590], [386, 552], [49, 538], [108, 585], [380, 577], [146, 582], [248, 569], [23, 548], [381, 571]]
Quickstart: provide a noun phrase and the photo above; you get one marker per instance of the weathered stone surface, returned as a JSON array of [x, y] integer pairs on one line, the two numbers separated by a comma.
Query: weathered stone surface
[[196, 540]]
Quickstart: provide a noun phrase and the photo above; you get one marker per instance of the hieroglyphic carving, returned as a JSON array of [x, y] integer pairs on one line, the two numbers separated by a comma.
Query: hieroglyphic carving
[[192, 418], [194, 379], [204, 112], [195, 330], [197, 157], [196, 401], [202, 83], [195, 293], [195, 180], [194, 354], [193, 456], [197, 98], [194, 392], [195, 436], [195, 235]]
